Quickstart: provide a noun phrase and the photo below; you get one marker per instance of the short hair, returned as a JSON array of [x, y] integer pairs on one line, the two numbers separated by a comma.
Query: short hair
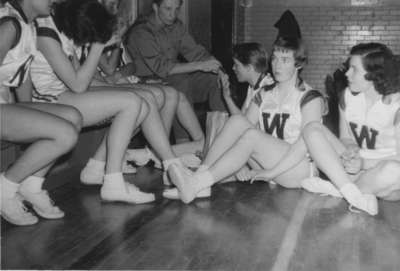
[[159, 2], [293, 44], [379, 63], [84, 21], [251, 53]]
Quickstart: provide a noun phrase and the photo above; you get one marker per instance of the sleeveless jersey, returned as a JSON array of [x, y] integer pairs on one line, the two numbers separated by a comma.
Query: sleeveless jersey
[[283, 120], [16, 64], [252, 92], [47, 84], [372, 127]]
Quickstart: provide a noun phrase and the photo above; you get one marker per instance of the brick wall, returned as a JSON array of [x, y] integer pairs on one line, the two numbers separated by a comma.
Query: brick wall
[[329, 28]]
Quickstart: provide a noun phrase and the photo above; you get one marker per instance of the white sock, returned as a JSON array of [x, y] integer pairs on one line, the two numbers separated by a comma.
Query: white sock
[[8, 188], [32, 184], [114, 181], [205, 179], [152, 155], [96, 165]]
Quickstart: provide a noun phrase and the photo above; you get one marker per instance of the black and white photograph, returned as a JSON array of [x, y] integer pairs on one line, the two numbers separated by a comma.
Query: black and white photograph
[[200, 135]]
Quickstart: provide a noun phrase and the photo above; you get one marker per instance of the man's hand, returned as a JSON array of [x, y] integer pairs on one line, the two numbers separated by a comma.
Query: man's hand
[[209, 66]]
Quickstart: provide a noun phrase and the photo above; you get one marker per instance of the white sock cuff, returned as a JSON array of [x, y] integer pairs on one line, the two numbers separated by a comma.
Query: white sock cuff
[[152, 155], [114, 180], [96, 164], [8, 188], [206, 179], [32, 184], [113, 176]]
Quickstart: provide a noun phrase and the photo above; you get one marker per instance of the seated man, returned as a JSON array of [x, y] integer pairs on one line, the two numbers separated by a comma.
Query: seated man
[[154, 44]]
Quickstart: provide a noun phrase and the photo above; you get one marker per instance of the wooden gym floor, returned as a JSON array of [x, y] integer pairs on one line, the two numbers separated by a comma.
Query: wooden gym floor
[[241, 227]]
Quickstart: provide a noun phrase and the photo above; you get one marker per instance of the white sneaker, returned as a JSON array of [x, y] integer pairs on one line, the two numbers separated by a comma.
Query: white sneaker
[[15, 212], [129, 193], [320, 186], [365, 202], [42, 204], [189, 184], [173, 193], [90, 176]]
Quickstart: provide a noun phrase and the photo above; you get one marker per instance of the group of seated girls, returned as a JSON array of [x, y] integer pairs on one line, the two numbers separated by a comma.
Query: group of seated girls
[[277, 135], [280, 137], [57, 97]]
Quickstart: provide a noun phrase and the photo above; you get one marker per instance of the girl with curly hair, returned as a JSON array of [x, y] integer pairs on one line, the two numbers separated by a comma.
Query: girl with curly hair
[[367, 156]]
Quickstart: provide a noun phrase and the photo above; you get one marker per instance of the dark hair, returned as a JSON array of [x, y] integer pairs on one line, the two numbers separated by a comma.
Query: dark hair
[[251, 53], [159, 2], [84, 21], [294, 44], [379, 63]]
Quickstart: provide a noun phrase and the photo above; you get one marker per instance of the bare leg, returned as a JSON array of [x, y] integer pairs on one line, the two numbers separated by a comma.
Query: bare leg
[[325, 148], [263, 148], [97, 105], [189, 121], [168, 110], [154, 131], [66, 112], [51, 136], [232, 131], [383, 180]]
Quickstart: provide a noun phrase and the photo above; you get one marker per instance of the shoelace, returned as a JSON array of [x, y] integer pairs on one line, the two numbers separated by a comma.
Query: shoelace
[[353, 210], [18, 206]]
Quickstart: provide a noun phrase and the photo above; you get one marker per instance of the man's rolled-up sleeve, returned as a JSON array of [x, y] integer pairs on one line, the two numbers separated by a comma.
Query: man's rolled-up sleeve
[[147, 55], [191, 50]]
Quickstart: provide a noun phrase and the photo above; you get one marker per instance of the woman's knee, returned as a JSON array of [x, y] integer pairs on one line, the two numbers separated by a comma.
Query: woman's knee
[[239, 120], [66, 137], [145, 108], [75, 117], [171, 94], [149, 98], [159, 95], [129, 100]]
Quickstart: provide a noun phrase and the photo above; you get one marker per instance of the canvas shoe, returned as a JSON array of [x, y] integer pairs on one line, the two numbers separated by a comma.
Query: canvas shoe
[[116, 189], [173, 193], [15, 212], [365, 202], [320, 186], [189, 184], [41, 203]]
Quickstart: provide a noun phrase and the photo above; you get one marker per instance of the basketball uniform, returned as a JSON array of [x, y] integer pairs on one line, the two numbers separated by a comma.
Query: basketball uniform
[[265, 80], [16, 64], [372, 127], [47, 84], [284, 120]]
